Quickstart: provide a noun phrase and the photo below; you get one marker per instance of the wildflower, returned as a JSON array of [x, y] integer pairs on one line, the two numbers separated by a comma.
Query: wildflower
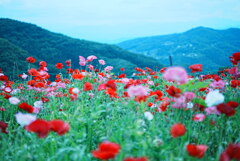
[[231, 152], [179, 102], [14, 100], [226, 109], [173, 91], [177, 130], [26, 107], [212, 110], [197, 151], [82, 61], [148, 115], [176, 74], [196, 68], [39, 126], [102, 62], [25, 119], [31, 59], [108, 68], [189, 96], [24, 76], [106, 151], [214, 98], [218, 84], [59, 65], [91, 58], [59, 126], [137, 90], [3, 127], [68, 63], [87, 86], [199, 117]]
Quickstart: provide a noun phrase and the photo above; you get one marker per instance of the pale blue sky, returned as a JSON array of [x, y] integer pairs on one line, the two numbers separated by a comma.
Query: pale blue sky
[[111, 21]]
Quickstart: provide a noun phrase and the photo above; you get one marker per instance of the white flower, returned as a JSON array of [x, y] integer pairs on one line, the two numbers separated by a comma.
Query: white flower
[[25, 119], [24, 76], [148, 115], [14, 100], [214, 98], [75, 90], [38, 104]]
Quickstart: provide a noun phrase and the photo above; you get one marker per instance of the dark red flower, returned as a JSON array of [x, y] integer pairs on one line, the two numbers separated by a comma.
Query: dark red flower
[[59, 126], [236, 56], [30, 59], [173, 91], [177, 130], [111, 84], [232, 104], [68, 63], [196, 68], [106, 150], [87, 86], [39, 126], [59, 65], [136, 159], [226, 109], [3, 127], [231, 152], [26, 107], [3, 78], [197, 151]]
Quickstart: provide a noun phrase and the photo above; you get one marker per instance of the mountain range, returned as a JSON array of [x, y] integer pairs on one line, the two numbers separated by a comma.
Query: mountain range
[[18, 40], [200, 45]]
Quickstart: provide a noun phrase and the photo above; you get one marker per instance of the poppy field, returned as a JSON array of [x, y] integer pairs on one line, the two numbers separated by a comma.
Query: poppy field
[[89, 113]]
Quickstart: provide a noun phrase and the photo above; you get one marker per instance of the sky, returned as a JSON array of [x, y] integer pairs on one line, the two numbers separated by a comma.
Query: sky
[[113, 21]]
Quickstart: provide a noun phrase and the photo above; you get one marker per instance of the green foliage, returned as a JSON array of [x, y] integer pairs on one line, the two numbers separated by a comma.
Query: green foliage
[[54, 48], [200, 45]]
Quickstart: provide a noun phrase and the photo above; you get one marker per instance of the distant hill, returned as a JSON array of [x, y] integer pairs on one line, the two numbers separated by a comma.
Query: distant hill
[[203, 45], [20, 40]]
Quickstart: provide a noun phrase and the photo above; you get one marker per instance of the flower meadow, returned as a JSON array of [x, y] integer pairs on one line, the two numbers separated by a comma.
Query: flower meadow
[[89, 113]]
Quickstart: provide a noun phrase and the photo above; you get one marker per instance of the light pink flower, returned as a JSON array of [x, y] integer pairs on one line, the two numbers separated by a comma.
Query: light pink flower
[[212, 110], [108, 68], [102, 62], [137, 90], [199, 117], [179, 102], [233, 70], [91, 67], [61, 85], [24, 76], [91, 58], [14, 100], [82, 61], [218, 84], [25, 119], [176, 74], [189, 96]]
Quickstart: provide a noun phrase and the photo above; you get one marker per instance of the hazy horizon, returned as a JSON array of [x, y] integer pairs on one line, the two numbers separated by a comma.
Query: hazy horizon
[[113, 21]]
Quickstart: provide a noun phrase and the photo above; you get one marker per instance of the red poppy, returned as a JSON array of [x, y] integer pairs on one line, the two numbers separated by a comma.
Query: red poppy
[[3, 127], [197, 151], [106, 151], [111, 84], [177, 130], [42, 63], [68, 63], [196, 68], [33, 72], [26, 107], [78, 76], [122, 76], [39, 126], [232, 104], [30, 59], [122, 69], [236, 56], [173, 91], [59, 126], [59, 65], [231, 152], [136, 159], [87, 86], [226, 109], [3, 78]]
